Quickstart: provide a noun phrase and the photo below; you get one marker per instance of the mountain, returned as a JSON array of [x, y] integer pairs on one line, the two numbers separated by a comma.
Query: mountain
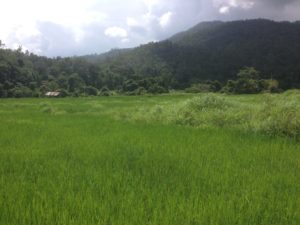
[[218, 50], [271, 47], [214, 51], [105, 56]]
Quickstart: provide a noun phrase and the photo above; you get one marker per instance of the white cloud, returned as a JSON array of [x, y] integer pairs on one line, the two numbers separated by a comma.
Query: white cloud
[[132, 22], [116, 32], [225, 6], [125, 40], [224, 9], [165, 19], [68, 27], [151, 3], [19, 19]]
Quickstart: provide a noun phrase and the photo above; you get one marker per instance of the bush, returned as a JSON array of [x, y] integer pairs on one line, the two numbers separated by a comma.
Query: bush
[[20, 92], [276, 115], [157, 89], [63, 93], [89, 90], [199, 88], [130, 86], [104, 92], [271, 86], [75, 94], [35, 94], [280, 119], [2, 91], [206, 102], [140, 91], [292, 93]]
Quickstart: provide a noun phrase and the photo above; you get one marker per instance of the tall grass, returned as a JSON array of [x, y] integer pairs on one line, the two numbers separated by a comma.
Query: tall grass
[[276, 115], [76, 164]]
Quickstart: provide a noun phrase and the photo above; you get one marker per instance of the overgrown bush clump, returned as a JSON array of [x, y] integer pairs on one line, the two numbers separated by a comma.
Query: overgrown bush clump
[[104, 92], [206, 102], [276, 115], [279, 116]]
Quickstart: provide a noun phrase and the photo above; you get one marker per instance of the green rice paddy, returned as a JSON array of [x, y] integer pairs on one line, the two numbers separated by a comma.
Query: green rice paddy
[[148, 161]]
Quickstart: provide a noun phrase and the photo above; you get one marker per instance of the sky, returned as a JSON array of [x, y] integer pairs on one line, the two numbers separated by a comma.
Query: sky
[[78, 27]]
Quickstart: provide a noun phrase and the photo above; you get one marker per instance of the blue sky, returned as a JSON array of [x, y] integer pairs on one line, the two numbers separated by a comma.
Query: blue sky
[[77, 27]]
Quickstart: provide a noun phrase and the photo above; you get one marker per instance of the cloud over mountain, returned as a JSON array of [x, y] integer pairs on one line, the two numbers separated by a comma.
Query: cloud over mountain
[[69, 27]]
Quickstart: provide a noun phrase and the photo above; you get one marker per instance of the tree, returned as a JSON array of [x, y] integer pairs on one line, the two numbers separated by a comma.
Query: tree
[[130, 86], [74, 82], [248, 73], [62, 81], [157, 89], [89, 90], [2, 91]]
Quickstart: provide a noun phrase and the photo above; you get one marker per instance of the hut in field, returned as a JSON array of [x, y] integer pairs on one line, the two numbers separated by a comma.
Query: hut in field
[[53, 94]]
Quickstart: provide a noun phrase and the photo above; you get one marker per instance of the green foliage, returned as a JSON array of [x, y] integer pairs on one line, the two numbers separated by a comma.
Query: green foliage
[[157, 89], [249, 82], [275, 115], [248, 73], [140, 91], [89, 90], [68, 161], [63, 93], [2, 91], [281, 120], [47, 109], [105, 92], [217, 51], [20, 92], [75, 83], [199, 88], [130, 86], [214, 51]]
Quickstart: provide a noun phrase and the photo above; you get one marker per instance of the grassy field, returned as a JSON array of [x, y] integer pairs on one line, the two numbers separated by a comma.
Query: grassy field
[[173, 159]]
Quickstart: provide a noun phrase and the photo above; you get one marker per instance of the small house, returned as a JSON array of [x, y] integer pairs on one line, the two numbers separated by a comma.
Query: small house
[[52, 94]]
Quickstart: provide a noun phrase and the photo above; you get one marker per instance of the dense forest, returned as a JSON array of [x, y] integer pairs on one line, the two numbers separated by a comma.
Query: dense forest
[[248, 56]]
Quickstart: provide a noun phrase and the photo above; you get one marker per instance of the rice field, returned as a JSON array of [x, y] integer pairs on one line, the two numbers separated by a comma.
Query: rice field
[[151, 160]]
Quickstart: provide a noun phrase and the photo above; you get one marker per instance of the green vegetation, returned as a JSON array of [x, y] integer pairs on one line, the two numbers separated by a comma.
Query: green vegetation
[[209, 57], [202, 159], [196, 154], [274, 115]]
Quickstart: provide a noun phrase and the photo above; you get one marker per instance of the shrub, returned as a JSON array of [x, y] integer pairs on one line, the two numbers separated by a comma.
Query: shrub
[[271, 86], [2, 91], [157, 89], [283, 120], [206, 102], [76, 94], [63, 93], [130, 86], [140, 91], [89, 90], [276, 115], [20, 92], [292, 93], [199, 88], [104, 92]]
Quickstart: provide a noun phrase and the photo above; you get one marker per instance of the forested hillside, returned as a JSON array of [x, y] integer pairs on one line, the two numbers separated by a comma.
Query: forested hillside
[[211, 53], [218, 50]]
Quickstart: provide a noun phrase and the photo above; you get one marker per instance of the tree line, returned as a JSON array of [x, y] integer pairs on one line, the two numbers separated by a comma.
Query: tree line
[[28, 75], [234, 57]]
